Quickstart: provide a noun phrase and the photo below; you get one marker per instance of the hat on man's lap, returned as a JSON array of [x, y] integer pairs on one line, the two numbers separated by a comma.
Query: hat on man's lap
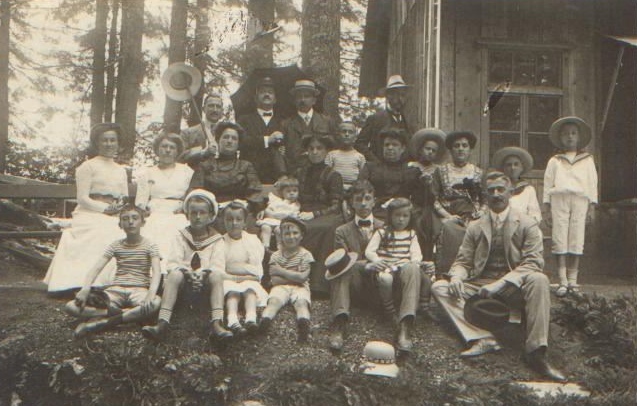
[[339, 262], [487, 313]]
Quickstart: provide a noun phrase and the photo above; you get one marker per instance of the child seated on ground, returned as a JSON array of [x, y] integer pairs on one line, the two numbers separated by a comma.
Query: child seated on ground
[[393, 247], [283, 203], [290, 272], [133, 295], [244, 269], [197, 258], [346, 160]]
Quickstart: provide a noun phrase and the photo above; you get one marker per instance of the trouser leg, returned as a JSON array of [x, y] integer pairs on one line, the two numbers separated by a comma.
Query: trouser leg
[[342, 288], [410, 280], [537, 297]]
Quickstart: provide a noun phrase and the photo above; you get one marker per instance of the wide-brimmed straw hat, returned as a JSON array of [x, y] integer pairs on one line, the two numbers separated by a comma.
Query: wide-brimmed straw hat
[[339, 262], [503, 153], [427, 134], [584, 131], [380, 359], [181, 81], [305, 84], [455, 135]]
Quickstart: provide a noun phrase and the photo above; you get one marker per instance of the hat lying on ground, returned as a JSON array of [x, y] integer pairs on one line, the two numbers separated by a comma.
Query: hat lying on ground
[[380, 359], [339, 262], [556, 129]]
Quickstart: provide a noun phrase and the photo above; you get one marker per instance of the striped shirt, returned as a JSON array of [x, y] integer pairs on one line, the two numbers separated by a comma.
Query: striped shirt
[[401, 247], [133, 261], [299, 262], [347, 163]]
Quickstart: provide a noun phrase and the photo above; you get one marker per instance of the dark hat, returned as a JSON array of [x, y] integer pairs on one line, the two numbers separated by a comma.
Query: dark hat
[[455, 135], [487, 313], [98, 298], [265, 82], [295, 221], [305, 84], [427, 134], [584, 131], [503, 153], [395, 133], [339, 262]]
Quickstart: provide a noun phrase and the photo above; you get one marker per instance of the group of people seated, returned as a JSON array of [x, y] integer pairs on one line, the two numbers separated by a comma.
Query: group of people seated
[[364, 222]]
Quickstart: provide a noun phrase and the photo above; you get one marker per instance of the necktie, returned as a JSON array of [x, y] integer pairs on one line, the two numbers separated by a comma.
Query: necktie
[[497, 223], [364, 223], [195, 262], [307, 120], [267, 114]]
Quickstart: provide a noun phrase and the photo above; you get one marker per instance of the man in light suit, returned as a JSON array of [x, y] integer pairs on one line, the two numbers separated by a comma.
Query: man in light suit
[[305, 121], [501, 254], [353, 237], [199, 140]]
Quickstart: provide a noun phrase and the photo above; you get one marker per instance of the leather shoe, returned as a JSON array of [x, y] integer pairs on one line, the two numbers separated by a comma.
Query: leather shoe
[[237, 329], [251, 327], [338, 331], [265, 324], [481, 346], [403, 341], [218, 331], [156, 332], [84, 329], [537, 361]]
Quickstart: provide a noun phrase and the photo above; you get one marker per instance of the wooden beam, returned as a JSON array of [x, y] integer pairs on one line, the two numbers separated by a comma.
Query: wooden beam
[[611, 89], [37, 191]]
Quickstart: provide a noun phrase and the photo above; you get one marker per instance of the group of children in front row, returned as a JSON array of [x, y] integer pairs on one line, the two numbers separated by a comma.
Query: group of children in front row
[[230, 266]]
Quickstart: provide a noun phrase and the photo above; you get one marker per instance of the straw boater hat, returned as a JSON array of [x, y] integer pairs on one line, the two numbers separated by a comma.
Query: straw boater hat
[[339, 262], [205, 195], [380, 359], [453, 136], [396, 82], [427, 134], [181, 81], [503, 153], [305, 84], [584, 131]]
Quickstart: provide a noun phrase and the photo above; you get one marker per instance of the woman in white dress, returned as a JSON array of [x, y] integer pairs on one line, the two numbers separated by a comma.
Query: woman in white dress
[[161, 190], [516, 162], [102, 186]]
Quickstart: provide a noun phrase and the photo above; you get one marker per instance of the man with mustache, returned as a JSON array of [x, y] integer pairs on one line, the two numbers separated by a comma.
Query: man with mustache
[[306, 121], [199, 140], [263, 144], [500, 258]]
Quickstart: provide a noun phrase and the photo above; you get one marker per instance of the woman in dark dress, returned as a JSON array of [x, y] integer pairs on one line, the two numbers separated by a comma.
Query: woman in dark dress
[[320, 195]]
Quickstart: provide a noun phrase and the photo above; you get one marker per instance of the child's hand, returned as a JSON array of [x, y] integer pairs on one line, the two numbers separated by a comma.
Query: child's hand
[[589, 214], [378, 266], [147, 305], [81, 297]]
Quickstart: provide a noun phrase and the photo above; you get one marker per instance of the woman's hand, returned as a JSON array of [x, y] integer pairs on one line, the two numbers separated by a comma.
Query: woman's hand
[[113, 209], [306, 215]]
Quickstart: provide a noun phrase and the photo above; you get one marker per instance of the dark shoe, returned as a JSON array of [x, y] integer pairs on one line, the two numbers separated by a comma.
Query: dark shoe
[[536, 360], [481, 346], [265, 324], [303, 330], [156, 332], [575, 291], [338, 331], [403, 341], [238, 330], [218, 331], [84, 329], [251, 327]]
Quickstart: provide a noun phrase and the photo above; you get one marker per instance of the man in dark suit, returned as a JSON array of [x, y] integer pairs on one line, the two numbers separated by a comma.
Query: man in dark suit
[[306, 121], [501, 256], [353, 237], [368, 142], [199, 140], [263, 143]]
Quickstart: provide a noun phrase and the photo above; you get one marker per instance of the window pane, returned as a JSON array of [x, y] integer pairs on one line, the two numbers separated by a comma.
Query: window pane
[[499, 66], [543, 111], [541, 150], [524, 69], [548, 69], [499, 140], [505, 115]]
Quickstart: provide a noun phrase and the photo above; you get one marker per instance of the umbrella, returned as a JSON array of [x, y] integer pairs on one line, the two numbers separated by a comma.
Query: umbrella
[[284, 78]]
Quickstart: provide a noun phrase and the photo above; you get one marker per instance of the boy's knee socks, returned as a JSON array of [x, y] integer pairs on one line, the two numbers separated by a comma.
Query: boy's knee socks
[[165, 314], [571, 275], [561, 272]]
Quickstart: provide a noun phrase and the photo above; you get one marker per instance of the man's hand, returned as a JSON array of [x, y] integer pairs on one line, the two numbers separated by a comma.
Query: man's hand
[[492, 288], [453, 218], [276, 138], [456, 287], [81, 297]]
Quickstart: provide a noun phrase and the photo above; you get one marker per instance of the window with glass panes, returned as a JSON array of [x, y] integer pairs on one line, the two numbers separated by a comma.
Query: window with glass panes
[[524, 114]]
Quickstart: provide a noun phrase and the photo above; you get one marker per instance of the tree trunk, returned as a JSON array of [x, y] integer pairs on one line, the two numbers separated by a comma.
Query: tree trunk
[[201, 46], [113, 53], [259, 48], [320, 47], [5, 18], [99, 62], [130, 73], [176, 53]]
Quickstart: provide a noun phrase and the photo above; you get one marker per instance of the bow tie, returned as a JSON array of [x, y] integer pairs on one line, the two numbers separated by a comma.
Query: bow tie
[[267, 114], [364, 223]]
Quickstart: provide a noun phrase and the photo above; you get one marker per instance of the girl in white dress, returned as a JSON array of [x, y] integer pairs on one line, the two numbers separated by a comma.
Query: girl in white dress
[[102, 186], [244, 269], [161, 190], [284, 203]]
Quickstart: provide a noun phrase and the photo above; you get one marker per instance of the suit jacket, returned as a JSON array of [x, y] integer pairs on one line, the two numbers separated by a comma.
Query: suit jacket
[[295, 128], [195, 141], [349, 237], [523, 248], [253, 147], [368, 142]]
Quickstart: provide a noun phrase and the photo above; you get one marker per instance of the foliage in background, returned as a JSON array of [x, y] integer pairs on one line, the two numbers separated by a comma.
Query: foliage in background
[[51, 164]]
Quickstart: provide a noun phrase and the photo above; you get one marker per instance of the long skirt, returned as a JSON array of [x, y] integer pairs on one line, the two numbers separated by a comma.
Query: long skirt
[[80, 247], [163, 225], [319, 240]]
